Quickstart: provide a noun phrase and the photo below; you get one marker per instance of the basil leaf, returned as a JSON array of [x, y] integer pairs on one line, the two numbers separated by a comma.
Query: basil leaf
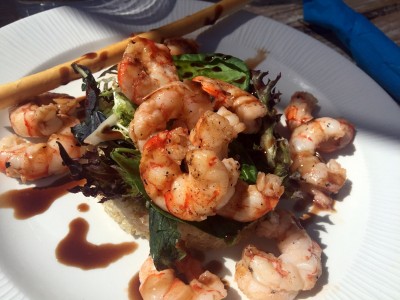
[[164, 240], [221, 227], [248, 173], [212, 225]]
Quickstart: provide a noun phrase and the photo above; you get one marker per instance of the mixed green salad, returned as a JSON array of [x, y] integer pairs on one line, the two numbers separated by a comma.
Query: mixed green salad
[[111, 163]]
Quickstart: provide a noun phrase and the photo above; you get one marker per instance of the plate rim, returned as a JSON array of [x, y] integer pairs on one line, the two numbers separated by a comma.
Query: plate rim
[[52, 13]]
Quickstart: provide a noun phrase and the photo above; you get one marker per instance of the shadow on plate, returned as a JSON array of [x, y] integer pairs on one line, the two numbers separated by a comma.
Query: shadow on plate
[[127, 12], [210, 38]]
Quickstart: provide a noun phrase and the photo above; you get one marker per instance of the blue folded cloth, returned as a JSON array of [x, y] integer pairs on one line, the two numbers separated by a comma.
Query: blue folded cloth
[[370, 48]]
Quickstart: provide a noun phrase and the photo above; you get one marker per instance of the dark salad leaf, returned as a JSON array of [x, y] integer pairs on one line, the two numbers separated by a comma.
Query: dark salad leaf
[[223, 228], [265, 151], [164, 240], [93, 116], [215, 65], [276, 150], [266, 92], [105, 178], [275, 147]]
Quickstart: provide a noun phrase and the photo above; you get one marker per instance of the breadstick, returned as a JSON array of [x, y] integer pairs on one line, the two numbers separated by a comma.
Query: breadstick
[[16, 92]]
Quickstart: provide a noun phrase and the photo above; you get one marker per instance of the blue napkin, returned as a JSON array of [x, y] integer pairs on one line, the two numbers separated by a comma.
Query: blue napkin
[[370, 48]]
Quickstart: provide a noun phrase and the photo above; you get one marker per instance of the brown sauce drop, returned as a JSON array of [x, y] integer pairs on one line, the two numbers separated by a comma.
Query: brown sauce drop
[[217, 13], [103, 55], [33, 201], [74, 250], [240, 80], [64, 75], [83, 207], [316, 209], [309, 217], [226, 283], [90, 55], [133, 288], [253, 62]]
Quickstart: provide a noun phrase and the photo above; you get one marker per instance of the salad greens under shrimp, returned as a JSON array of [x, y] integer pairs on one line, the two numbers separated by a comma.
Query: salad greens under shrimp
[[111, 167]]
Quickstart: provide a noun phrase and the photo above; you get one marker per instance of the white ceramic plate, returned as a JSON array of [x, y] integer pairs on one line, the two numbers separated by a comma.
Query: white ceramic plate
[[360, 240]]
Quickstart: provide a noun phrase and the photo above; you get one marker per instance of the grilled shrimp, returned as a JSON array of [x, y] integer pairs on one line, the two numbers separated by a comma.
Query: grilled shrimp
[[29, 161], [43, 115], [214, 131], [166, 285], [299, 109], [326, 135], [207, 185], [261, 275], [176, 102], [251, 202], [247, 107], [145, 66]]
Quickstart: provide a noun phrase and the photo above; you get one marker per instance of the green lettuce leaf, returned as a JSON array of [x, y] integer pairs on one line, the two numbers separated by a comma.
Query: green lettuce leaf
[[219, 66], [128, 161], [123, 108]]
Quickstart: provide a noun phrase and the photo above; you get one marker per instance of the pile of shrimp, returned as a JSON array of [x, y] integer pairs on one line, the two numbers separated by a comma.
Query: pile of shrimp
[[183, 129]]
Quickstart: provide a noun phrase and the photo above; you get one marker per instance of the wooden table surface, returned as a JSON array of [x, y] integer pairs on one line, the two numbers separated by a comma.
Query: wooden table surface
[[385, 14]]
